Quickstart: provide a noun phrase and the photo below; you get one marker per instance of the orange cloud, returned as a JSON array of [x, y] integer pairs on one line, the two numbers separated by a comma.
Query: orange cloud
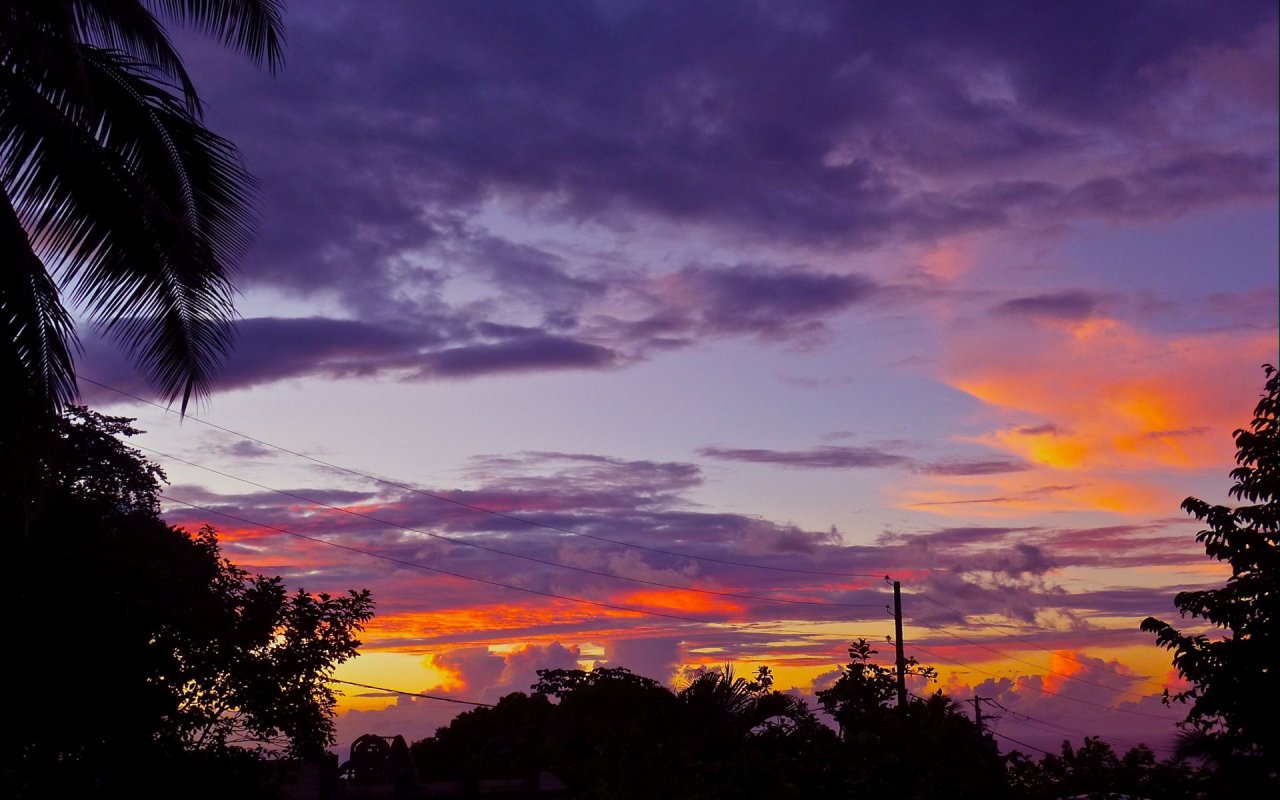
[[1062, 665], [1102, 408], [1045, 490], [948, 260], [387, 628], [676, 600], [1103, 393]]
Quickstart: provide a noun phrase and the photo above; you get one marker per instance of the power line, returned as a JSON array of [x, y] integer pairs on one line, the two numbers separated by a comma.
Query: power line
[[1021, 717], [423, 695], [450, 573], [508, 553], [1024, 744], [1048, 670], [473, 507], [1030, 719], [998, 629], [1041, 689], [600, 573]]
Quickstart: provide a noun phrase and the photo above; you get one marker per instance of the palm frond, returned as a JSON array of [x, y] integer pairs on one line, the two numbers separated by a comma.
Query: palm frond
[[253, 27], [129, 27], [142, 210], [36, 332]]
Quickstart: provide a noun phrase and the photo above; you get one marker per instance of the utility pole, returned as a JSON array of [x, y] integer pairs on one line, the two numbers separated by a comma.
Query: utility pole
[[902, 659], [977, 712]]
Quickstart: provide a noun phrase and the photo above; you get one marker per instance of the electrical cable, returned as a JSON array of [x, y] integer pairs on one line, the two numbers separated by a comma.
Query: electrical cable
[[450, 573], [1041, 689], [499, 551], [1048, 670], [600, 573], [423, 695], [471, 506], [1024, 744], [998, 629]]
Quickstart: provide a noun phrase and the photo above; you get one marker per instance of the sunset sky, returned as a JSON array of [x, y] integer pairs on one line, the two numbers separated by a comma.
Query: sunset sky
[[728, 311]]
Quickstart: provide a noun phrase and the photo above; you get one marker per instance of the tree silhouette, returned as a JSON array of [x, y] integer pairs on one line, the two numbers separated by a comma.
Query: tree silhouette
[[884, 744], [145, 655], [116, 196], [864, 688], [1095, 770], [609, 733], [1234, 677]]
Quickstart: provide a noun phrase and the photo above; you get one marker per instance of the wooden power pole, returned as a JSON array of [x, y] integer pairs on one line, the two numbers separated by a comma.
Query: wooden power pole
[[897, 630], [977, 713]]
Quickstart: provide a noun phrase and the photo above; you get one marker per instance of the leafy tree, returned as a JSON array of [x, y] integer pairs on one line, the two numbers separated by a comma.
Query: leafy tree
[[1233, 676], [724, 699], [613, 734], [865, 688], [145, 654], [1094, 770], [884, 744], [750, 740], [115, 193]]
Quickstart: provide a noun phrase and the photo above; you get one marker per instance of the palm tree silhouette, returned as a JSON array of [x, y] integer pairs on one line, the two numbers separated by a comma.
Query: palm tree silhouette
[[720, 699], [117, 198]]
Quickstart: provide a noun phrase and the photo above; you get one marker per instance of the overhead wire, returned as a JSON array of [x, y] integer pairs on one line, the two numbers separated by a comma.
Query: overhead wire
[[998, 629], [1024, 744], [450, 573], [1023, 682], [500, 551], [1023, 719], [471, 506], [1048, 670], [423, 695], [643, 581], [1028, 718], [559, 529]]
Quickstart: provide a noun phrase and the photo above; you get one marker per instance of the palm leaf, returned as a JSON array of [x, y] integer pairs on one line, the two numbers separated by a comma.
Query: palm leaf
[[253, 27], [129, 27], [140, 208], [35, 329]]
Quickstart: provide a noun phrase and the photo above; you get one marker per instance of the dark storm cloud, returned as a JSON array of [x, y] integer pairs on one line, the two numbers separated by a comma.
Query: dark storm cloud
[[1074, 305]]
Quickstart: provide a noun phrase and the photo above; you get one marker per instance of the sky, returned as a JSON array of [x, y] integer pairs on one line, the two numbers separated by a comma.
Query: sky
[[657, 335]]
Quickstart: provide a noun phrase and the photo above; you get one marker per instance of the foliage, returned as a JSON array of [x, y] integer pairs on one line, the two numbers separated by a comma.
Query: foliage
[[1094, 770], [612, 734], [883, 742], [865, 688], [116, 196], [143, 646], [1231, 675]]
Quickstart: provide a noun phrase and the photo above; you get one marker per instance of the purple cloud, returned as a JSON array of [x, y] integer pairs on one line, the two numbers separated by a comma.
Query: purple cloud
[[528, 353], [825, 457], [769, 301], [598, 111], [1073, 305], [851, 457], [405, 157]]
